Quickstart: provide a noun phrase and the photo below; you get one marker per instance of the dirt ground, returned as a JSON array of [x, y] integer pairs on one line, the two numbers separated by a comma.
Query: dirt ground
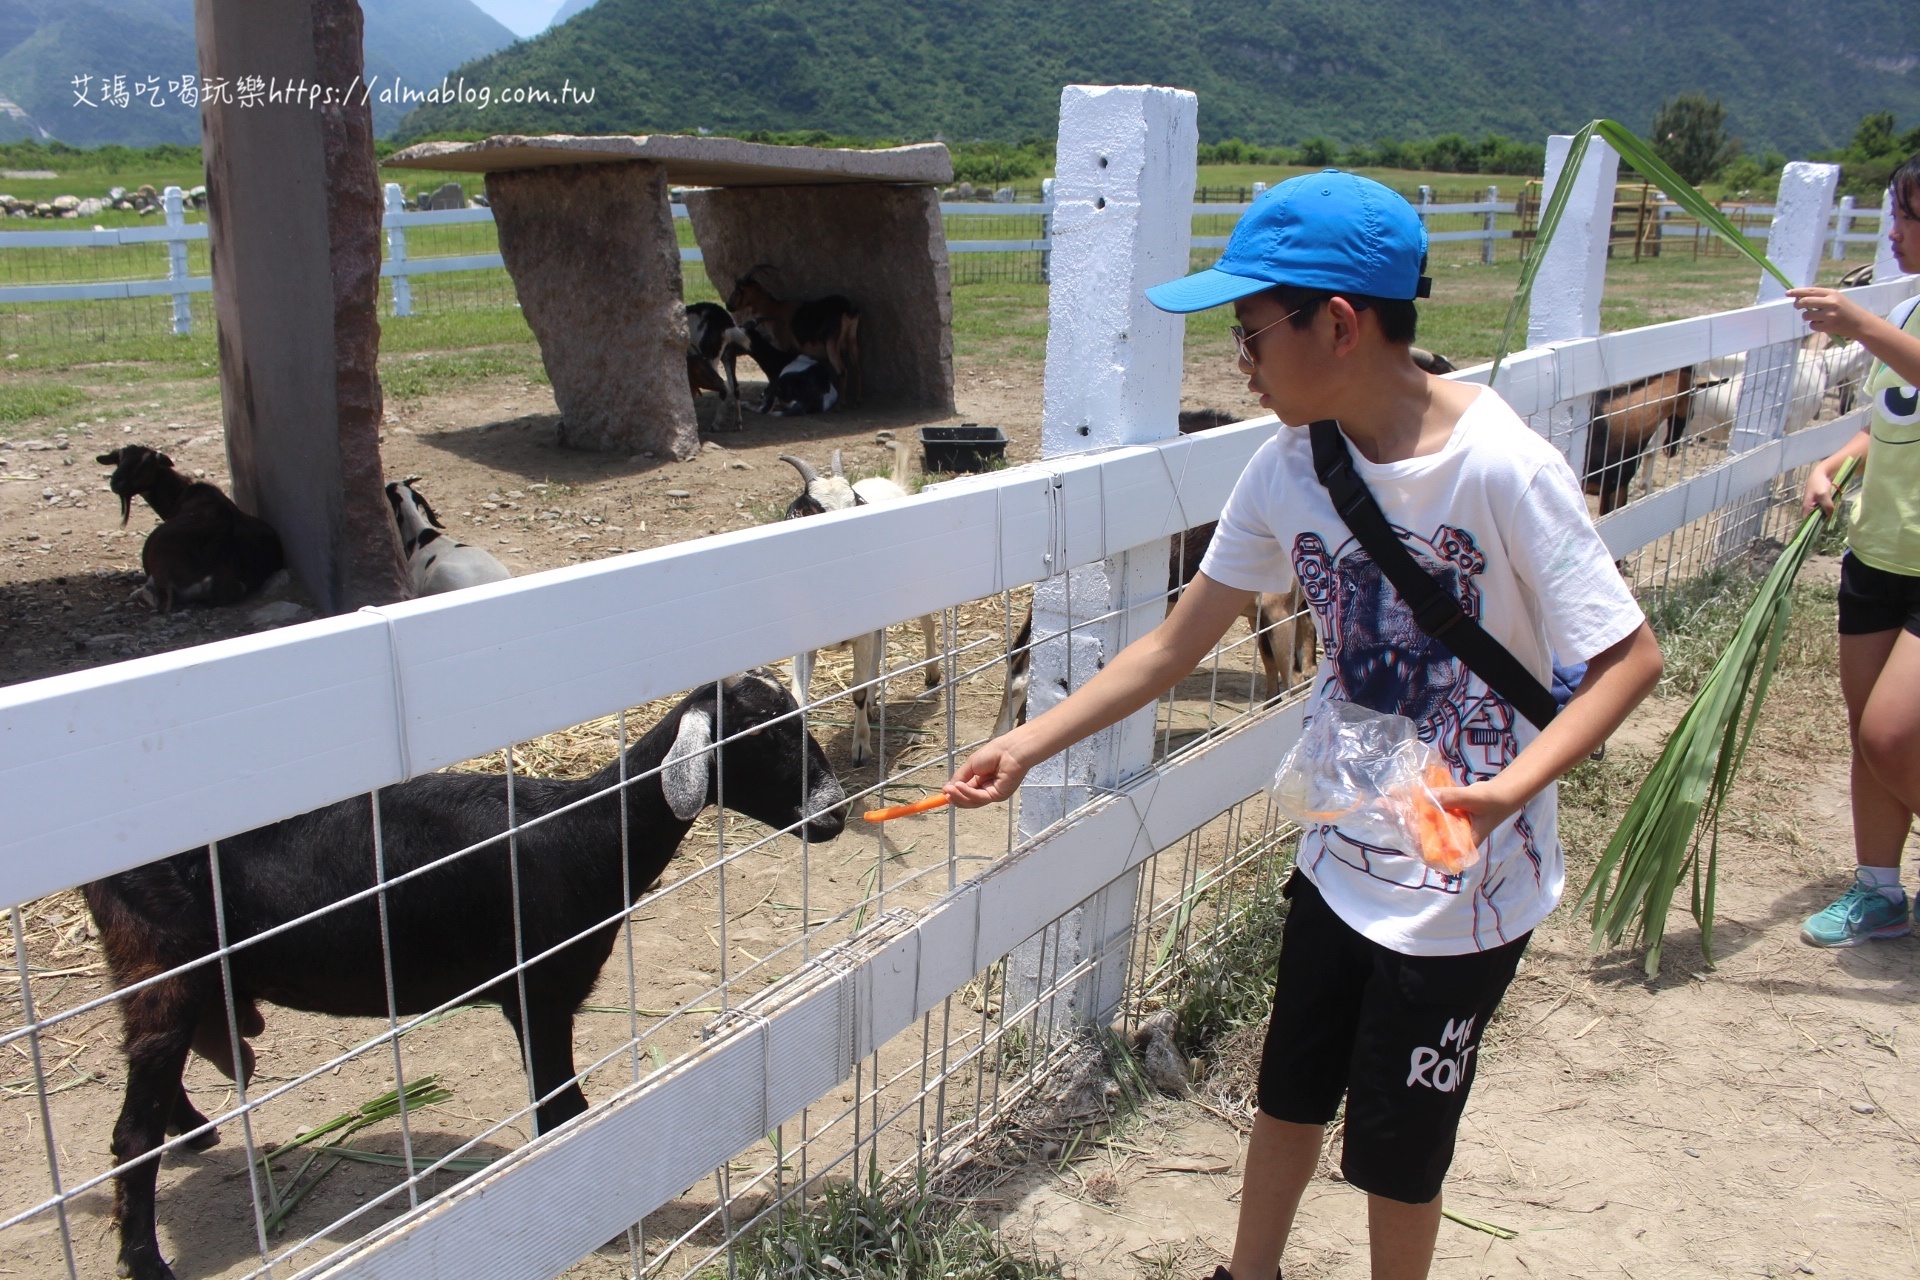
[[1756, 1117], [488, 461]]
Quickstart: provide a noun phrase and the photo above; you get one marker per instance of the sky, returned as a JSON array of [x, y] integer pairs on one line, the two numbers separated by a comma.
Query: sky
[[522, 17]]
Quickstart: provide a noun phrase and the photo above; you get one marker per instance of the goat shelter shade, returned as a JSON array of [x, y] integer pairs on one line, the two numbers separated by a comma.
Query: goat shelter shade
[[600, 284]]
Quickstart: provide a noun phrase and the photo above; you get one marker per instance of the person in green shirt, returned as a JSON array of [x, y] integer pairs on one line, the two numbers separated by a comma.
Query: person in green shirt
[[1879, 592]]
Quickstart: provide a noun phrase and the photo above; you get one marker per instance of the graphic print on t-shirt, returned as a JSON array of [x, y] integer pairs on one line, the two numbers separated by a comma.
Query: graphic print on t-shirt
[[1378, 657]]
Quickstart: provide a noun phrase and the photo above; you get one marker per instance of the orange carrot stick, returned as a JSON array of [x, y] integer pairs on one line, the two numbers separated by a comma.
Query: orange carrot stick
[[1446, 835], [906, 810]]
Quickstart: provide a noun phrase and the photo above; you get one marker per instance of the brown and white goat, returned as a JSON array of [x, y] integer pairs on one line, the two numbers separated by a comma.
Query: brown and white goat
[[827, 328], [206, 550]]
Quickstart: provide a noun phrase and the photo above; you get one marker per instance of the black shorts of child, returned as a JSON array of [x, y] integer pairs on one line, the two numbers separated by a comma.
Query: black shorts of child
[[1874, 600], [1398, 1035]]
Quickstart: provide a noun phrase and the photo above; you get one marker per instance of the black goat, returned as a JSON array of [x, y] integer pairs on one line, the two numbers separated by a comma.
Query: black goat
[[205, 550], [451, 929]]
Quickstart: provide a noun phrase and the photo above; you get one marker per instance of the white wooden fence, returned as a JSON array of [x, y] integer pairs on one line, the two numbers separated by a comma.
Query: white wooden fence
[[401, 267]]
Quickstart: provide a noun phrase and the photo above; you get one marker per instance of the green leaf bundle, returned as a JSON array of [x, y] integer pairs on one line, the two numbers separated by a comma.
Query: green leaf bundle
[[1659, 840], [1644, 161]]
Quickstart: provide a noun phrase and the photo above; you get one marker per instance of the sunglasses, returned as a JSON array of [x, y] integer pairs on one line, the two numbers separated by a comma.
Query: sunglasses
[[1243, 341]]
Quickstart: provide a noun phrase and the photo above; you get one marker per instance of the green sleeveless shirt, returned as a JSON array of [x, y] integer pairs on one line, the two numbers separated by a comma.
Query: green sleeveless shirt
[[1886, 514]]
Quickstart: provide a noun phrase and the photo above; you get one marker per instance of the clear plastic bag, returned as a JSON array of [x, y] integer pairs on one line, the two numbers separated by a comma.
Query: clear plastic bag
[[1368, 773]]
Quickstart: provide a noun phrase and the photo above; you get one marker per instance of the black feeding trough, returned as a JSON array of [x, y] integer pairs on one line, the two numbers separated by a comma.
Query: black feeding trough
[[967, 447]]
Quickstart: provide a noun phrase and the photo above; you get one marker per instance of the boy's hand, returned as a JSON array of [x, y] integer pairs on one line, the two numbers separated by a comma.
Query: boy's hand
[[991, 773], [1487, 804], [1830, 311]]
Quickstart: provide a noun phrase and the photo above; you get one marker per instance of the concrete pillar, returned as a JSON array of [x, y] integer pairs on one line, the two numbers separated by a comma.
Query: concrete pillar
[[596, 265], [881, 246], [1885, 265], [1794, 243], [293, 207], [1801, 217], [1122, 221], [1573, 277]]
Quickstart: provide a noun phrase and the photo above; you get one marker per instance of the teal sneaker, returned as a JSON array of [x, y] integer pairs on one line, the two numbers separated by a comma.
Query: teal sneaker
[[1862, 914]]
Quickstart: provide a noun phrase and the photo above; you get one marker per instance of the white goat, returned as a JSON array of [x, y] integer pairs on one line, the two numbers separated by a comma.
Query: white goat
[[819, 494], [1718, 385], [436, 561]]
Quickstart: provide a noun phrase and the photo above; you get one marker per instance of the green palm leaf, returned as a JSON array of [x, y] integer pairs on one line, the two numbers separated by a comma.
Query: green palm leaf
[[1659, 840], [1638, 154]]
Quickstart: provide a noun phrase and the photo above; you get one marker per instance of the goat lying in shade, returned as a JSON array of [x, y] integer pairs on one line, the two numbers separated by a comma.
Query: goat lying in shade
[[820, 494], [206, 550], [452, 929], [825, 328], [436, 561]]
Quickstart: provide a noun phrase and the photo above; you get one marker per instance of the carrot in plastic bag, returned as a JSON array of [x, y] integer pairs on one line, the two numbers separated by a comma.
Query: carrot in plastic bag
[[1446, 835]]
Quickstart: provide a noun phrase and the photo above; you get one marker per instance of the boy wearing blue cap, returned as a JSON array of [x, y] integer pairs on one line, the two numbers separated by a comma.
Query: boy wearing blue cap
[[1389, 968]]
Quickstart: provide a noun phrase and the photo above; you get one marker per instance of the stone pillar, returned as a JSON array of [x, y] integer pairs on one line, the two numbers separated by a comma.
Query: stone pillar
[[594, 260], [1121, 222], [1573, 277], [883, 247], [293, 207], [1885, 265]]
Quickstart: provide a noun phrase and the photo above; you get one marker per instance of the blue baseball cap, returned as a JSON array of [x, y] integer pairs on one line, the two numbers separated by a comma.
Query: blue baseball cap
[[1329, 230]]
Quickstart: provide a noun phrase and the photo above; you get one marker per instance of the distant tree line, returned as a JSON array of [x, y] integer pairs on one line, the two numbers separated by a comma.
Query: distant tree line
[[1448, 153]]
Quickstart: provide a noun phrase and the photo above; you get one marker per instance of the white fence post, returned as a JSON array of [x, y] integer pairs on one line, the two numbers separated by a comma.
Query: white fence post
[[175, 206], [1842, 225], [1486, 246], [397, 253], [1122, 220], [1801, 216], [1573, 276], [1885, 266]]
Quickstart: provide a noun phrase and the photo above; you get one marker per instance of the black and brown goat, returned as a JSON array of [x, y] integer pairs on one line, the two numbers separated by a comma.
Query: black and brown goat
[[455, 931], [827, 328], [714, 346], [205, 550], [1626, 421]]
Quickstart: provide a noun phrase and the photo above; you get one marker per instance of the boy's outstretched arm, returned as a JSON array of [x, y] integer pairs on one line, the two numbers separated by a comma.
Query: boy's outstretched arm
[[1142, 672], [1617, 680]]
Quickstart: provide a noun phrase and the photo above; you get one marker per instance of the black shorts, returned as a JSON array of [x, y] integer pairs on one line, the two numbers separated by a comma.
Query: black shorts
[[1874, 600], [1398, 1035]]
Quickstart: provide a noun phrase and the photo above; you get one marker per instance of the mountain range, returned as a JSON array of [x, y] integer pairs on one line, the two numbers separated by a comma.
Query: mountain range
[[46, 44], [1796, 75]]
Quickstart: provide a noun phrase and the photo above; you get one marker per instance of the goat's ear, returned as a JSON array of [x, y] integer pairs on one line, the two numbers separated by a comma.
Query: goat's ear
[[689, 763]]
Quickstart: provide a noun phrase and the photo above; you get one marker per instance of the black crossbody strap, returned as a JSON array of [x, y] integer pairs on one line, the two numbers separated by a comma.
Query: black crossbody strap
[[1434, 609]]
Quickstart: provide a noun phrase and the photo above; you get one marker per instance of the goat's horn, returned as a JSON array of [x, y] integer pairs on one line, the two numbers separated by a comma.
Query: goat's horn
[[807, 474], [839, 472]]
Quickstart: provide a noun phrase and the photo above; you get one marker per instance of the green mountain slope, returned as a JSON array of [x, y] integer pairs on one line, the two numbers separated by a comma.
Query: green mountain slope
[[1795, 74], [44, 44]]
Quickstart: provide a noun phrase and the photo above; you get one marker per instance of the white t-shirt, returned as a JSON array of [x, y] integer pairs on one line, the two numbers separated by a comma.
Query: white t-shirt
[[1498, 517]]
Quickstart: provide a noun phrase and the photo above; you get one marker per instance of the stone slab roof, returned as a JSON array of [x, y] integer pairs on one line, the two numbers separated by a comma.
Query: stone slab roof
[[690, 161]]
